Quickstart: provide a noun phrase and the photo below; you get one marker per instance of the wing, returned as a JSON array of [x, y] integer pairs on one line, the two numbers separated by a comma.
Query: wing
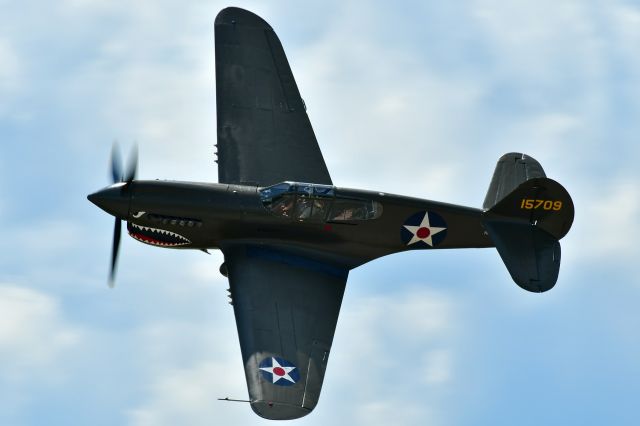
[[264, 133], [286, 309]]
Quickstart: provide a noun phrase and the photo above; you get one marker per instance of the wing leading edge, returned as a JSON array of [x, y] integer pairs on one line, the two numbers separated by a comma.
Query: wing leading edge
[[286, 310], [264, 133]]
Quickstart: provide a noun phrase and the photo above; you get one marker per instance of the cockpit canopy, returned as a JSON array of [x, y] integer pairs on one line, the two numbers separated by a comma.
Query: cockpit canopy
[[308, 202]]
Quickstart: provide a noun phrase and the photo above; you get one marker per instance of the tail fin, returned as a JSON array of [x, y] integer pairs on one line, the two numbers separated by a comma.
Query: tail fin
[[525, 215]]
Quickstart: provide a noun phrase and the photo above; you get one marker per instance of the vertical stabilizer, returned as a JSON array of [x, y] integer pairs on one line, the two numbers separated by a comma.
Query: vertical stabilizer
[[512, 169]]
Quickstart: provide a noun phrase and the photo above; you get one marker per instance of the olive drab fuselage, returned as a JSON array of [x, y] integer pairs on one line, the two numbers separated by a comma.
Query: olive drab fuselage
[[347, 225]]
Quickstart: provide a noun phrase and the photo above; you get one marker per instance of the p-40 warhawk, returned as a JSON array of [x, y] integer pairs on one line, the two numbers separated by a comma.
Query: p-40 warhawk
[[290, 237]]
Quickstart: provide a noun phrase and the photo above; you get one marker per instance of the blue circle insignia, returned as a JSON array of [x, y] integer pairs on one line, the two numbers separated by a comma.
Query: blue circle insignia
[[424, 229], [279, 371]]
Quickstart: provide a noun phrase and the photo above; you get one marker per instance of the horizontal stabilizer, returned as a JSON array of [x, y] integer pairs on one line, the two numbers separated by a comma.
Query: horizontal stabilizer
[[541, 202]]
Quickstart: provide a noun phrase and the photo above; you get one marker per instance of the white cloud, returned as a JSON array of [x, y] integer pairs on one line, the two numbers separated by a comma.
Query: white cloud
[[187, 367], [11, 69], [33, 331], [400, 346], [438, 365], [394, 411], [624, 21], [207, 269], [415, 318], [49, 237], [626, 25], [550, 133], [617, 207], [189, 396], [34, 340], [542, 40]]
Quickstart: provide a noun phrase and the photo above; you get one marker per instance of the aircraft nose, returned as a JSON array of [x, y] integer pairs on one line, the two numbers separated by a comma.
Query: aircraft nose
[[113, 199]]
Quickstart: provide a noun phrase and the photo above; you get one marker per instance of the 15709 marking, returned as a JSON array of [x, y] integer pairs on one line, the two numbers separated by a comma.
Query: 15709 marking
[[533, 204]]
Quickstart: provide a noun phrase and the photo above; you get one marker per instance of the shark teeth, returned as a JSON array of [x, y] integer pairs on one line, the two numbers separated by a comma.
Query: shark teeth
[[156, 236]]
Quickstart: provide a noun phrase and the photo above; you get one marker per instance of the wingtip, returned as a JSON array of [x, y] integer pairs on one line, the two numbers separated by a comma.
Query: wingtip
[[236, 15], [278, 411]]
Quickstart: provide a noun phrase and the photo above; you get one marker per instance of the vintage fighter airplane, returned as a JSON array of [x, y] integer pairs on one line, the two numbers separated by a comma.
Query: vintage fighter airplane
[[290, 237]]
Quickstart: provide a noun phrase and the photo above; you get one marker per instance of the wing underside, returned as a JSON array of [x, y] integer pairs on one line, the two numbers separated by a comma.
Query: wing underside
[[264, 133], [286, 309]]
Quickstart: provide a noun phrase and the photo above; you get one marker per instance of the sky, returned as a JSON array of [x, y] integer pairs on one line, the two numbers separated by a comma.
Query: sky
[[417, 98]]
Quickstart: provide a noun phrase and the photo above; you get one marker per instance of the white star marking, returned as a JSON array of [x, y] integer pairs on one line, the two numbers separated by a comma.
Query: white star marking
[[281, 372], [424, 231]]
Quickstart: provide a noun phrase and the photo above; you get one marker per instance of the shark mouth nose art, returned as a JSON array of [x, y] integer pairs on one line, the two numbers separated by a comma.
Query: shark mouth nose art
[[155, 236]]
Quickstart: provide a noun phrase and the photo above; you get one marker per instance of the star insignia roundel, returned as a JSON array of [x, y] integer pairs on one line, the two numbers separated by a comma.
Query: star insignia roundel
[[279, 371], [424, 230]]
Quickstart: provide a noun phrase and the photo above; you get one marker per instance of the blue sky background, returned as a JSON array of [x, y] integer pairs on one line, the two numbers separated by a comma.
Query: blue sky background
[[419, 98]]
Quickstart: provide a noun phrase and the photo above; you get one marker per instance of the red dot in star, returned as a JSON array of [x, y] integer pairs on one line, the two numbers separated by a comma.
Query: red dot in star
[[279, 371], [423, 233]]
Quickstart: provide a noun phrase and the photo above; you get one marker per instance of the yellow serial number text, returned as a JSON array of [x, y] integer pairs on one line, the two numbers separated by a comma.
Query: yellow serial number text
[[533, 204]]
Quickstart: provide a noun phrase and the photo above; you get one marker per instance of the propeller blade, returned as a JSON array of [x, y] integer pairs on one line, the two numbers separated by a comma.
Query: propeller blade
[[116, 164], [120, 175], [114, 253], [132, 165]]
